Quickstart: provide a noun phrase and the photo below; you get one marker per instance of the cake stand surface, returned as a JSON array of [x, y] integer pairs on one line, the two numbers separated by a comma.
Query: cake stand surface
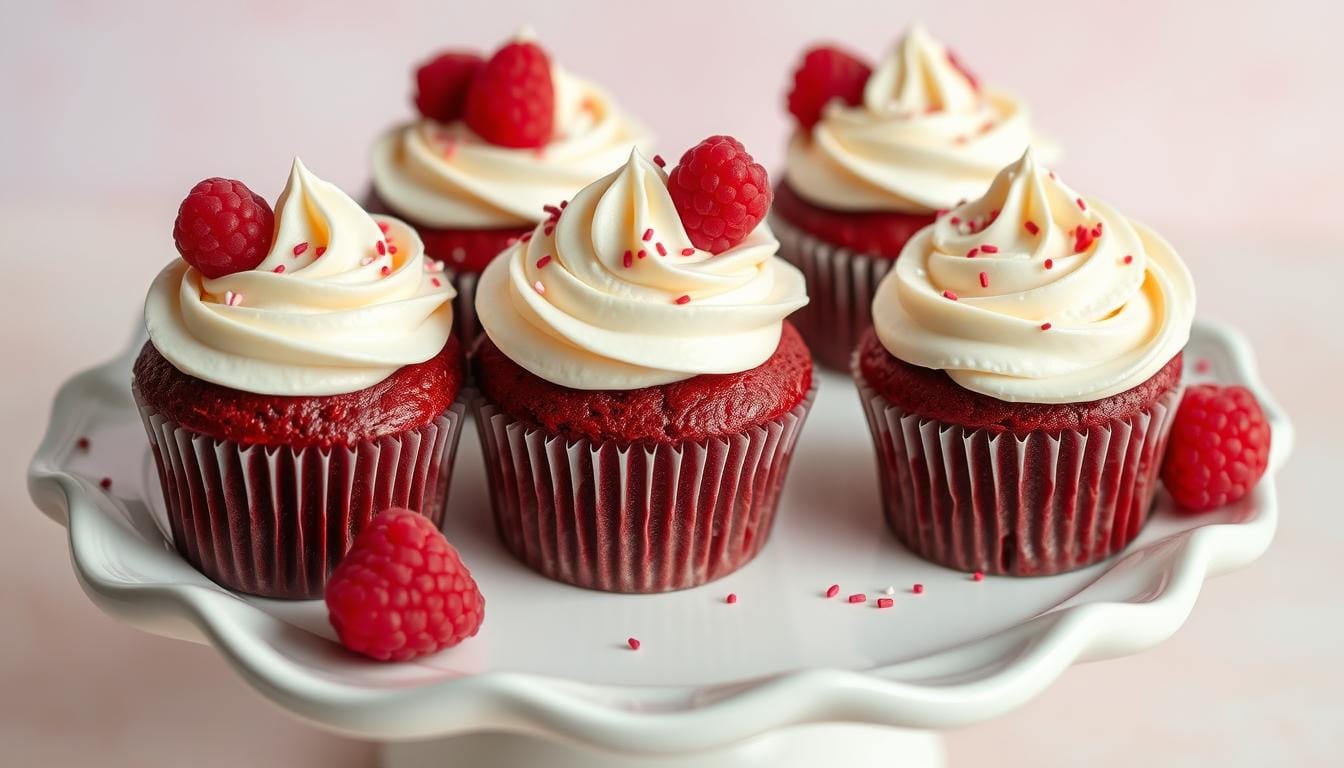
[[783, 677]]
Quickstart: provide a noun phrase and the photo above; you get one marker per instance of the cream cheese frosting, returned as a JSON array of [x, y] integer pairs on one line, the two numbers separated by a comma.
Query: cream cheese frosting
[[925, 137], [1034, 293], [342, 300], [613, 295], [445, 176]]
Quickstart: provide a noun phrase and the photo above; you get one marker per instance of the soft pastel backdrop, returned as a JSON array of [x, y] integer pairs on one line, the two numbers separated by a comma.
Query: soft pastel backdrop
[[1217, 123]]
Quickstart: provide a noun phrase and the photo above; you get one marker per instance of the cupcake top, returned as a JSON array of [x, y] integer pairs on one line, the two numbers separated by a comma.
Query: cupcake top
[[921, 136], [613, 293], [338, 302], [1034, 293], [499, 139]]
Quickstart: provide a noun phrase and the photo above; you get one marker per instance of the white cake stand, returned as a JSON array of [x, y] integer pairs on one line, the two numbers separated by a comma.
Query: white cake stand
[[784, 677]]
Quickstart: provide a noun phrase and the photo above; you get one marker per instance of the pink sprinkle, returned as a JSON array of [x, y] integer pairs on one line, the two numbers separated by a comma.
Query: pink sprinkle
[[732, 598], [539, 288], [971, 254], [990, 248], [300, 248], [648, 235], [82, 443], [1031, 227], [949, 295], [1044, 327], [1053, 176], [918, 589], [858, 598], [659, 161], [435, 282], [1202, 365], [510, 241], [978, 575], [885, 602], [280, 270], [683, 299], [628, 259], [106, 483], [381, 247], [385, 271], [544, 260], [642, 253], [321, 249], [1081, 205], [662, 251], [984, 280], [1129, 259], [687, 251], [833, 590], [366, 261], [383, 226], [233, 299], [634, 643], [1049, 263]]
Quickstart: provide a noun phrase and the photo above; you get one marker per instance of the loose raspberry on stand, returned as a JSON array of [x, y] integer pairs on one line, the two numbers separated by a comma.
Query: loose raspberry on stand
[[441, 84], [223, 227], [511, 102], [826, 73], [402, 591], [1218, 449], [720, 192]]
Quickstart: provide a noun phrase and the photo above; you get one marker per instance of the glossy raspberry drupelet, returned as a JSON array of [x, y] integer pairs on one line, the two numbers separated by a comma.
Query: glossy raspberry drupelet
[[441, 84], [401, 591], [1219, 447], [720, 192], [511, 101], [223, 227], [825, 73]]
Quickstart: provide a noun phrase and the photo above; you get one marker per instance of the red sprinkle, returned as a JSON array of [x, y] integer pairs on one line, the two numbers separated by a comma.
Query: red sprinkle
[[732, 598], [1081, 205], [280, 270], [1129, 259], [978, 575], [642, 253], [833, 590], [918, 589], [984, 280], [687, 251], [659, 161], [321, 249], [510, 240], [548, 229], [391, 249], [633, 642], [1049, 263], [683, 299], [972, 253], [949, 295], [105, 483], [564, 204], [525, 237], [300, 248], [990, 248], [383, 226], [435, 282], [955, 220], [82, 443], [648, 234], [551, 209], [662, 251], [382, 247], [1044, 327], [885, 602], [1031, 227], [544, 260], [858, 598], [628, 259], [385, 271]]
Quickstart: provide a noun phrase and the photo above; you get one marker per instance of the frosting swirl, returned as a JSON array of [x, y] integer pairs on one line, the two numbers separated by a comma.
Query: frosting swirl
[[336, 306], [925, 137], [1035, 294], [590, 301], [446, 176]]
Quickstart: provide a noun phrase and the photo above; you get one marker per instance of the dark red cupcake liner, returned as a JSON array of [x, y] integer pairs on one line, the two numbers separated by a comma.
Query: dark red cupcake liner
[[840, 288], [1016, 505], [275, 521], [635, 517]]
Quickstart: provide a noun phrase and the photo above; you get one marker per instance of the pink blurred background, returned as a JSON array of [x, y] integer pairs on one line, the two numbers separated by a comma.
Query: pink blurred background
[[1215, 123]]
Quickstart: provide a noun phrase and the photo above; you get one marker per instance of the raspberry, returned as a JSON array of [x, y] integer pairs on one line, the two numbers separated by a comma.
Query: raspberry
[[402, 591], [1218, 449], [512, 100], [720, 192], [223, 227], [441, 84], [825, 74]]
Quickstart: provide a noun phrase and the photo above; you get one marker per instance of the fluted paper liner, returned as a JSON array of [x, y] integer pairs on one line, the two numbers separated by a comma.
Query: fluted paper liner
[[274, 521], [1017, 505], [840, 287], [640, 517]]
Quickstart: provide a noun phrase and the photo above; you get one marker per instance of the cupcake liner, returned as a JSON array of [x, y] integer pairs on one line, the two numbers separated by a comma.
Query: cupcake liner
[[275, 521], [840, 287], [1017, 505], [464, 306], [635, 517]]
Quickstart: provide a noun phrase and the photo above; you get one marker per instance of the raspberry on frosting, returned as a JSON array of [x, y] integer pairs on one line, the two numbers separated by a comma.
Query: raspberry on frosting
[[1218, 449], [223, 227], [721, 193], [511, 102], [826, 73], [442, 84]]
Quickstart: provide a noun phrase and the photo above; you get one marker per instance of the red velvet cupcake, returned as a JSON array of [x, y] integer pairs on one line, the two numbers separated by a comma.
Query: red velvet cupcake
[[875, 155], [641, 393], [300, 377], [1021, 378], [497, 141]]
